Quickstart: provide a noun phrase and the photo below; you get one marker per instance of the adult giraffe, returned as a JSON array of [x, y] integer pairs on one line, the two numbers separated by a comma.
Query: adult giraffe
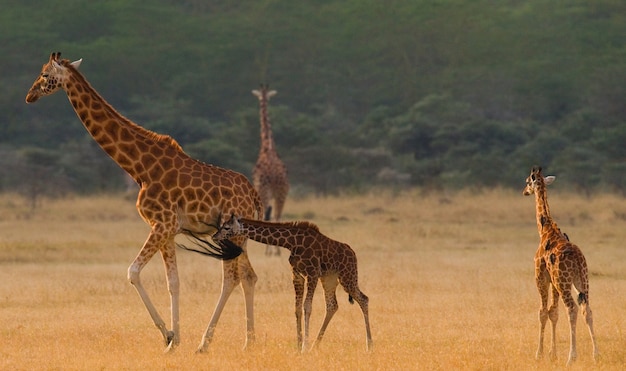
[[270, 173], [178, 194]]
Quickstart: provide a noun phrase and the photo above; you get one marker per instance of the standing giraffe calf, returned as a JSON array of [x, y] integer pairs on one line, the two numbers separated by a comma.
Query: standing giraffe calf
[[313, 257], [560, 264]]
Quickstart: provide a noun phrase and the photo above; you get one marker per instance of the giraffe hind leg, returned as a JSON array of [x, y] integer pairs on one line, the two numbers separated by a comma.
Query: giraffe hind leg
[[363, 301], [271, 249], [355, 294], [229, 281], [583, 301]]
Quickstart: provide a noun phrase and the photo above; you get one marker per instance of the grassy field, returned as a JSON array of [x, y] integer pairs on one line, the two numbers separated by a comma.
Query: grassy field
[[449, 276]]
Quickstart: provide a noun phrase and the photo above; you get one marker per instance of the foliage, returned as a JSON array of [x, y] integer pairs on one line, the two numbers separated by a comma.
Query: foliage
[[431, 93]]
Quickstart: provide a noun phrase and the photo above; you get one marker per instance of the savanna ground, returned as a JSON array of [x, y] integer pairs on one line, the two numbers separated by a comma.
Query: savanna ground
[[449, 276]]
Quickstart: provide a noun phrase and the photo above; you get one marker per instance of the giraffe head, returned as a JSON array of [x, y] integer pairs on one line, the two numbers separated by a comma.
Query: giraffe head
[[536, 180], [228, 229], [53, 76], [264, 94]]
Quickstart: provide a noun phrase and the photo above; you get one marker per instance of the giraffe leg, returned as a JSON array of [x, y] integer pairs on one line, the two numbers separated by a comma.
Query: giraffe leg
[[298, 285], [168, 254], [150, 247], [572, 312], [363, 301], [229, 281], [586, 310], [311, 283], [248, 282], [329, 284], [553, 314], [351, 285], [543, 285], [581, 284], [279, 203], [268, 217], [266, 197]]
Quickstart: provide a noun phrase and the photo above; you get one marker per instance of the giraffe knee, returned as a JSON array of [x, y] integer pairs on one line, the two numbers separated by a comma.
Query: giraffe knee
[[251, 277], [133, 275], [553, 313]]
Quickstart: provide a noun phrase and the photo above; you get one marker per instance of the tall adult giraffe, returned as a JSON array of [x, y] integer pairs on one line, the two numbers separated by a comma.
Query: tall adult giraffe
[[270, 173], [178, 194], [558, 264]]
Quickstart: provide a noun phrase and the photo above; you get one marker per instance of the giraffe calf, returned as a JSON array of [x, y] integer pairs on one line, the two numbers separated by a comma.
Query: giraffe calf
[[313, 257], [559, 266]]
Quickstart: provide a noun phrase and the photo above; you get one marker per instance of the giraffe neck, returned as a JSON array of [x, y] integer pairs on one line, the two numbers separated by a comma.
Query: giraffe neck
[[267, 142], [123, 140], [544, 219], [287, 234]]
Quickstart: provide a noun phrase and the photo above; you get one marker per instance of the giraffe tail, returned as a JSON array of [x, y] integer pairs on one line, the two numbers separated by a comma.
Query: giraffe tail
[[582, 298], [350, 299], [224, 250]]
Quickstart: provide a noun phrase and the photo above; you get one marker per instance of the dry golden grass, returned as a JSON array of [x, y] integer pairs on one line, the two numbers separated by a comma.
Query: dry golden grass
[[450, 281]]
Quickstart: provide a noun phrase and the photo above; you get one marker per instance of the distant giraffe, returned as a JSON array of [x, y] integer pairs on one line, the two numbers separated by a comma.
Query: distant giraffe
[[177, 194], [558, 264], [270, 174], [313, 257]]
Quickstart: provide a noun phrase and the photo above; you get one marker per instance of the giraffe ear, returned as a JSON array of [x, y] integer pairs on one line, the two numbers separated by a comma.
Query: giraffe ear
[[256, 92], [549, 179], [271, 93], [56, 65], [77, 63]]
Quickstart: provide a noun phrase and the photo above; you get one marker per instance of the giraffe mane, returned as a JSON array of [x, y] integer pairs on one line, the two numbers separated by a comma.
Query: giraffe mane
[[161, 138]]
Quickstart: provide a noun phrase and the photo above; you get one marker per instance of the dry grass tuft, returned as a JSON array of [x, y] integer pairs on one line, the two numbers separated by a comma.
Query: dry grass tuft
[[449, 276]]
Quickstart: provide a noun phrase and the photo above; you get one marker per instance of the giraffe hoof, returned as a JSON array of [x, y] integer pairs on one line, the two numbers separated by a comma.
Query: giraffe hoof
[[171, 341]]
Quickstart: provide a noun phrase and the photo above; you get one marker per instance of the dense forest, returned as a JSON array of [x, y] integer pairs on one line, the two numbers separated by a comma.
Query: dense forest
[[429, 93]]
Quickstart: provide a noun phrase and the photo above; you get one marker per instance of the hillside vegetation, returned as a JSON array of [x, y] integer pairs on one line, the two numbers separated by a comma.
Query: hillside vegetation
[[439, 93]]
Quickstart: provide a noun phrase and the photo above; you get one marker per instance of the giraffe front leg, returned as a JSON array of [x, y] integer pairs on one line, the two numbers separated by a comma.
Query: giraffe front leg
[[543, 285], [298, 285], [147, 252], [553, 314], [308, 307], [248, 282]]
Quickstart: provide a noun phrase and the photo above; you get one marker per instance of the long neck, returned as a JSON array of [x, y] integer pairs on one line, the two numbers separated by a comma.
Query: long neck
[[286, 235], [267, 142], [544, 219], [123, 140]]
